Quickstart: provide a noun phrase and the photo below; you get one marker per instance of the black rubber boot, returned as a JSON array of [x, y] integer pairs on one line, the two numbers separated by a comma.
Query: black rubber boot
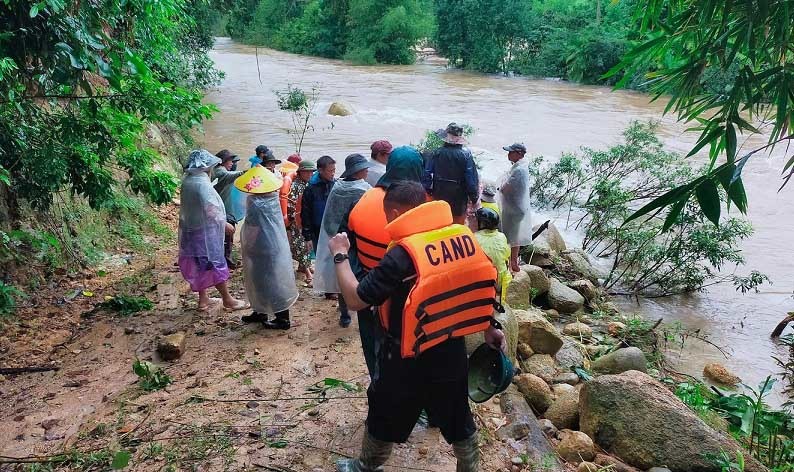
[[374, 453], [281, 321], [254, 317], [468, 454]]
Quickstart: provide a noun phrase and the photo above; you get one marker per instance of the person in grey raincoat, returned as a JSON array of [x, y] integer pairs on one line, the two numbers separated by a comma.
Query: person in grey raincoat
[[514, 202], [345, 194], [202, 225], [225, 174], [267, 260]]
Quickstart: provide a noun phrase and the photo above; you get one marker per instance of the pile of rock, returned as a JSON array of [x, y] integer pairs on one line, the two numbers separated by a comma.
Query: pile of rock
[[620, 417]]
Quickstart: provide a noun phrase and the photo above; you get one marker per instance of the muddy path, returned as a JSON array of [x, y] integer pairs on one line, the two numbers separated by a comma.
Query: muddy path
[[241, 396]]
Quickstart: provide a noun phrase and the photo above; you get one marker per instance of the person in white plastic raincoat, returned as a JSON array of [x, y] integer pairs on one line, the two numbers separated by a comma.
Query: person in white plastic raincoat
[[202, 225], [514, 202], [346, 193], [267, 260]]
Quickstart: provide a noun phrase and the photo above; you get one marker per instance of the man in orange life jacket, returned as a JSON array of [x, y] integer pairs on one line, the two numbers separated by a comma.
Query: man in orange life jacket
[[365, 226], [433, 286]]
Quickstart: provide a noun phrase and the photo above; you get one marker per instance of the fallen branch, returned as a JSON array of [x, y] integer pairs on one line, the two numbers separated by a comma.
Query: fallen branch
[[259, 400], [782, 325], [27, 369]]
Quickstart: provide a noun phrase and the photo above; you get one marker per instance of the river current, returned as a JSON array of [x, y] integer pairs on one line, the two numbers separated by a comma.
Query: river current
[[400, 103]]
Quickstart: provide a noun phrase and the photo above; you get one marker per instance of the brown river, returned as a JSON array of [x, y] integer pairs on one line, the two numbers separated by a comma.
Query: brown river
[[400, 103]]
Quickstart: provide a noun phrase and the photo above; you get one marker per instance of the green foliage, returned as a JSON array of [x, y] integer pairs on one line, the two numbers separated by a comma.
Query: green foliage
[[766, 434], [657, 257], [362, 31], [73, 118], [8, 299], [742, 44], [26, 246], [150, 377], [127, 305], [300, 105]]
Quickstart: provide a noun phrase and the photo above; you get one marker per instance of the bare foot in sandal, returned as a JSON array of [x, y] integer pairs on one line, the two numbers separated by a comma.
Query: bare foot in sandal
[[205, 305], [234, 305]]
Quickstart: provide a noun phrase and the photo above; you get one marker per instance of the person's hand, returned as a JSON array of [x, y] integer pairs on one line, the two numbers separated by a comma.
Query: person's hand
[[309, 246], [339, 244], [229, 229], [496, 339]]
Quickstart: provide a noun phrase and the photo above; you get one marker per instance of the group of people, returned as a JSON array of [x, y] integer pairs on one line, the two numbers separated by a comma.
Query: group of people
[[414, 244]]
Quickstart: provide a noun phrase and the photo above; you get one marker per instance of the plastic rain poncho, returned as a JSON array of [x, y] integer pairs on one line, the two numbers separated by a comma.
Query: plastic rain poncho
[[343, 196], [202, 222], [514, 202], [267, 261], [495, 246]]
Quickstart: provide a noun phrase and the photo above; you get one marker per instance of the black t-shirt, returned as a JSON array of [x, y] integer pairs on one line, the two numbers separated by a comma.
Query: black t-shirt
[[393, 279]]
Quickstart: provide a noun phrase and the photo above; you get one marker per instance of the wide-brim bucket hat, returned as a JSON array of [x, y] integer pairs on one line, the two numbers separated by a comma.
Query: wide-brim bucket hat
[[355, 163], [257, 180], [454, 134]]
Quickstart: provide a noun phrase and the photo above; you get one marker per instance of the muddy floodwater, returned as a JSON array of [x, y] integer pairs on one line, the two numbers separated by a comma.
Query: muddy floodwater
[[400, 103]]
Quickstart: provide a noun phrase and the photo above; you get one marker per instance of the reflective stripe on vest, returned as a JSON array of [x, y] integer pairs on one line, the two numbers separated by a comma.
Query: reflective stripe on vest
[[368, 221], [455, 289]]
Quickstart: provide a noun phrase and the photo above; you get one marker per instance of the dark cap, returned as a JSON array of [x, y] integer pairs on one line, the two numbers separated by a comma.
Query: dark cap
[[226, 155], [355, 163], [517, 147], [269, 157], [381, 146]]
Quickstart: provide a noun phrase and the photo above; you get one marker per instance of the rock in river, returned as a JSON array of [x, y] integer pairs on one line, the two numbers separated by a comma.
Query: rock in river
[[628, 358], [509, 328], [585, 288], [638, 419], [578, 330], [339, 109], [719, 374], [542, 365], [563, 298]]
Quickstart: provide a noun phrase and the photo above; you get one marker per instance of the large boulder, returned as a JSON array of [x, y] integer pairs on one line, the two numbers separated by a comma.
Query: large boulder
[[518, 291], [563, 298], [570, 355], [538, 279], [580, 263], [339, 109], [551, 238], [542, 365], [621, 360], [564, 412], [585, 289], [537, 332], [638, 419], [538, 254], [575, 446], [524, 426], [509, 328], [535, 390]]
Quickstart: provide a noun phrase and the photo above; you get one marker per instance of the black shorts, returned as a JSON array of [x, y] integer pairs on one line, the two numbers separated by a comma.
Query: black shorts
[[405, 387]]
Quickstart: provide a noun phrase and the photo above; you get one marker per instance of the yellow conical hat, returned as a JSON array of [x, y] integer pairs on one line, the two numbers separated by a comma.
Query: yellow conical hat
[[288, 167], [258, 180]]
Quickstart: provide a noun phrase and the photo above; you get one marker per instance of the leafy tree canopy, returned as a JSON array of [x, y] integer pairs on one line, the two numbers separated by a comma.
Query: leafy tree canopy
[[80, 82], [748, 43]]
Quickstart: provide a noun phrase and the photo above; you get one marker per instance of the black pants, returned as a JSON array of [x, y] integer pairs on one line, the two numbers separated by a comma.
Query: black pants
[[405, 387], [228, 242]]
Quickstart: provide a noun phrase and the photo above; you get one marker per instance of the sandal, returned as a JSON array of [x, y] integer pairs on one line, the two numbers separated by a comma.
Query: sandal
[[212, 301], [239, 305]]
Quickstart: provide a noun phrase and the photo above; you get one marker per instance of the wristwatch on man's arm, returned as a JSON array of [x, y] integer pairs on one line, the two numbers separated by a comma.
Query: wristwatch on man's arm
[[340, 257]]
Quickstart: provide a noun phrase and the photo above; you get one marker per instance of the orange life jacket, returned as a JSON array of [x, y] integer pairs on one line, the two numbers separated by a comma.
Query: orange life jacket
[[455, 290], [368, 221], [283, 194]]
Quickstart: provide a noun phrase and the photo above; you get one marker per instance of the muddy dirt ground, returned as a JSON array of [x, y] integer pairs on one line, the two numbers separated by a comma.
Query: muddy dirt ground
[[241, 397]]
